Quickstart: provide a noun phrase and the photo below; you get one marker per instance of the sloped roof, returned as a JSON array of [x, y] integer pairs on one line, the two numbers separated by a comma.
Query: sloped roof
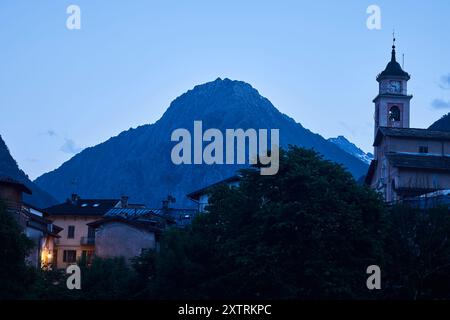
[[411, 133], [427, 162], [143, 224], [83, 207], [5, 180], [196, 194]]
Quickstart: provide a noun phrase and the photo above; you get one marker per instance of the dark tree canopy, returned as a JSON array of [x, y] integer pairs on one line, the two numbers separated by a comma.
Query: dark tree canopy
[[15, 275], [308, 232]]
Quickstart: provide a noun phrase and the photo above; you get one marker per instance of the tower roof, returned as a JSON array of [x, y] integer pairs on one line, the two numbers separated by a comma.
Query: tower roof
[[393, 68]]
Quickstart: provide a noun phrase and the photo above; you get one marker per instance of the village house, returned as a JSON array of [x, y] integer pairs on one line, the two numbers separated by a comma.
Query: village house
[[201, 196], [33, 221], [78, 239], [408, 162], [128, 232]]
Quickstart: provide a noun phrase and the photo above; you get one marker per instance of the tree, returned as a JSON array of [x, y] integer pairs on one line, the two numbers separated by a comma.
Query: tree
[[107, 279], [308, 232], [418, 247], [16, 276]]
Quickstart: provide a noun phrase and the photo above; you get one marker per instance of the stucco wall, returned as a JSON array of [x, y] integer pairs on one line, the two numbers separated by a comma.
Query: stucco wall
[[119, 239], [412, 146], [64, 243]]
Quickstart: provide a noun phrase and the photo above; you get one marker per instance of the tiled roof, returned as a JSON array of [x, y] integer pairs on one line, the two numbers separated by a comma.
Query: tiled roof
[[144, 224], [411, 133], [429, 162], [83, 207]]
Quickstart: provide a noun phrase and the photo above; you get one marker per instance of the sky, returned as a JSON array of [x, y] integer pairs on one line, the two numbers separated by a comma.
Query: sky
[[62, 90]]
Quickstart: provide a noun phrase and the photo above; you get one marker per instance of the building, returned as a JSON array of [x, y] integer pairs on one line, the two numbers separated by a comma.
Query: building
[[201, 196], [78, 239], [408, 162], [11, 193], [181, 216], [128, 232], [33, 222], [44, 234]]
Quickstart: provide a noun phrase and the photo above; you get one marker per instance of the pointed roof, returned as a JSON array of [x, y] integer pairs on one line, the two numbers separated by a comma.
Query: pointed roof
[[393, 68]]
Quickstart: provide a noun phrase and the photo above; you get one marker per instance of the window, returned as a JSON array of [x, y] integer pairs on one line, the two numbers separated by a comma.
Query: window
[[87, 256], [394, 114], [70, 256], [91, 233], [71, 232], [423, 149]]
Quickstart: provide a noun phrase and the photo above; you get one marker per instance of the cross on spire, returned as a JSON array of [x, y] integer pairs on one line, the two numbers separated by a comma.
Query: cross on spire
[[393, 39], [393, 46]]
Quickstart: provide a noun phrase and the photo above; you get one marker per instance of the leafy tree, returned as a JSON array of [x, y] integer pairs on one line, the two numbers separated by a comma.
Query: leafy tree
[[16, 276], [144, 267], [419, 253], [107, 279], [308, 232]]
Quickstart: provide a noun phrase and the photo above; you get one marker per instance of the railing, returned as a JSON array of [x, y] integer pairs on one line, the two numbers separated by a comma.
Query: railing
[[87, 241]]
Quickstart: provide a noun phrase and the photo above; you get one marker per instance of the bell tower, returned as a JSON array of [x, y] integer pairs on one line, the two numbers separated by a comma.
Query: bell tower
[[392, 101]]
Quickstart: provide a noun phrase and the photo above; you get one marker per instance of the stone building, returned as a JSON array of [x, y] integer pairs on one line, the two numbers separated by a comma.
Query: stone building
[[128, 232]]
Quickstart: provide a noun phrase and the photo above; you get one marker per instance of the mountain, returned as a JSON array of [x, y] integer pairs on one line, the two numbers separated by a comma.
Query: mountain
[[9, 168], [138, 162], [352, 149], [443, 124]]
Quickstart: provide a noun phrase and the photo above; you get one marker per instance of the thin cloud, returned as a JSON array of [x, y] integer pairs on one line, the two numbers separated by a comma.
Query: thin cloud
[[70, 147], [445, 82], [51, 133], [440, 104]]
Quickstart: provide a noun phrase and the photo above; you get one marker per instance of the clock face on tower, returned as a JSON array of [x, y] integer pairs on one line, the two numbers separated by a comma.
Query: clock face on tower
[[394, 86]]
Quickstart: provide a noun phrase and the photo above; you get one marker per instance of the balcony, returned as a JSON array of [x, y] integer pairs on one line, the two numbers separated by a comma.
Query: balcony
[[87, 241]]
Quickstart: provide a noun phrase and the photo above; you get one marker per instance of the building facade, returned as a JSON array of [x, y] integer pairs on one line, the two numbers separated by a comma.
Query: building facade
[[408, 162], [127, 232], [77, 241], [33, 222], [201, 196]]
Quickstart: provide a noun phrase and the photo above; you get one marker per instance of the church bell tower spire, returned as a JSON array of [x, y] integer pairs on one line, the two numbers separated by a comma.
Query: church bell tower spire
[[392, 102]]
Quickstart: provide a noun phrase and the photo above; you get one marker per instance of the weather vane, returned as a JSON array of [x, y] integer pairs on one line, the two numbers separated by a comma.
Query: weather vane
[[393, 37]]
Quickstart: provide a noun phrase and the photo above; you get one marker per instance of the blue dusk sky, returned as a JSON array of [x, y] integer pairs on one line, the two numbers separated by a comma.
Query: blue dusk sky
[[63, 90]]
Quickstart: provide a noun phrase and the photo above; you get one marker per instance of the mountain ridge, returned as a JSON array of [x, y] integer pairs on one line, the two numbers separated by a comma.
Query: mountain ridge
[[349, 147], [9, 168], [443, 124], [137, 162]]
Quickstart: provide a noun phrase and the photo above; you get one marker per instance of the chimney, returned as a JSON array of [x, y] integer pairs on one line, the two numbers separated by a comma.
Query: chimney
[[124, 201], [74, 199], [166, 202]]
